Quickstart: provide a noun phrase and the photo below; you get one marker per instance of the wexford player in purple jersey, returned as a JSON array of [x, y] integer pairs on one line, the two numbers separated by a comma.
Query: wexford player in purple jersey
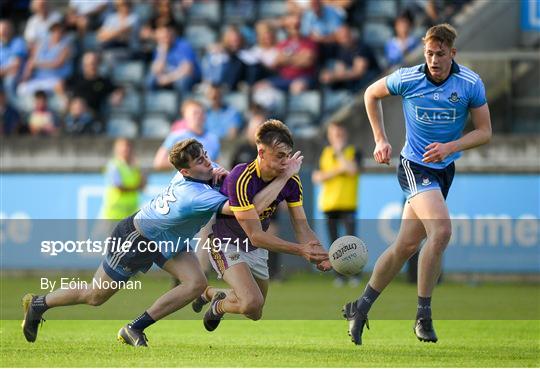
[[243, 244], [437, 99]]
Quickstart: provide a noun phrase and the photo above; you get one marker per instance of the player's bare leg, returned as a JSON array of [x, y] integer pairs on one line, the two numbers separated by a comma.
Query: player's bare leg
[[248, 298], [388, 265], [187, 269], [35, 306], [430, 206]]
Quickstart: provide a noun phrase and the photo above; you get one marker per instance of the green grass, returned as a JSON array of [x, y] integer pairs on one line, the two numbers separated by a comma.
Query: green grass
[[274, 344], [486, 325]]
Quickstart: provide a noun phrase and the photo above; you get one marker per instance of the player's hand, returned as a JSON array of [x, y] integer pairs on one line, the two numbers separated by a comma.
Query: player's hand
[[218, 175], [436, 152], [313, 252], [382, 152], [324, 266], [293, 165]]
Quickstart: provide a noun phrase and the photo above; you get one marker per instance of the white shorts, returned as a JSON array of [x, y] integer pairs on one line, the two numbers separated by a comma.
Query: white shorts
[[257, 261]]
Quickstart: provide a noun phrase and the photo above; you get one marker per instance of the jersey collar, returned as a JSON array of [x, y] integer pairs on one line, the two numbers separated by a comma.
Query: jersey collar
[[424, 69], [191, 179]]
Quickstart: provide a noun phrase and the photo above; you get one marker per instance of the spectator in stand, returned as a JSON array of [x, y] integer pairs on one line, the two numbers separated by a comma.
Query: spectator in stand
[[222, 64], [261, 57], [40, 22], [51, 63], [13, 54], [221, 119], [355, 64], [320, 22], [175, 62], [42, 121], [403, 42], [10, 118], [295, 62], [79, 120], [164, 15], [118, 35], [94, 89], [84, 15], [194, 128]]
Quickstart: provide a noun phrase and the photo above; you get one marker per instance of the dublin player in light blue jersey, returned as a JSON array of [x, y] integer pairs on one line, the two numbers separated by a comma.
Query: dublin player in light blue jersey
[[173, 217], [437, 98]]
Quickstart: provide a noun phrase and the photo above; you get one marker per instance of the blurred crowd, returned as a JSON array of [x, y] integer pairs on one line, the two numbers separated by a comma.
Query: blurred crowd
[[159, 68]]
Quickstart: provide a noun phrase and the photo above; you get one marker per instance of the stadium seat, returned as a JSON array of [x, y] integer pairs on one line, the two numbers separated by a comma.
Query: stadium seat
[[239, 12], [376, 34], [155, 126], [207, 10], [381, 9], [89, 41], [309, 101], [273, 100], [200, 35], [272, 8], [129, 72], [161, 102], [131, 104], [302, 124], [237, 100], [122, 127], [335, 99]]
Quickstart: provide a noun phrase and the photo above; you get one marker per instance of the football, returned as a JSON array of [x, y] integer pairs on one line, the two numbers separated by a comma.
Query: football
[[348, 255]]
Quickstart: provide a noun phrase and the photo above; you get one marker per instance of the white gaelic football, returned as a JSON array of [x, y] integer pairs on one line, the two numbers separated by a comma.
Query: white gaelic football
[[348, 255]]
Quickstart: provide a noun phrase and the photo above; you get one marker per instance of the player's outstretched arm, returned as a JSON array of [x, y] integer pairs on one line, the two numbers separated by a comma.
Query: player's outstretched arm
[[372, 100], [250, 223], [480, 135], [304, 234]]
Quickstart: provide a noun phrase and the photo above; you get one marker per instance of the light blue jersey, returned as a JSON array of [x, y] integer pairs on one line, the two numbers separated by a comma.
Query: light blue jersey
[[178, 213], [435, 112]]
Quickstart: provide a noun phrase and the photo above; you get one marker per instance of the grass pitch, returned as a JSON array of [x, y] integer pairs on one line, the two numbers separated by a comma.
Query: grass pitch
[[304, 337], [274, 344]]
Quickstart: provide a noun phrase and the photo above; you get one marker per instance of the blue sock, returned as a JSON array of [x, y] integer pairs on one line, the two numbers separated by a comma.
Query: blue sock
[[144, 320], [367, 299], [424, 308]]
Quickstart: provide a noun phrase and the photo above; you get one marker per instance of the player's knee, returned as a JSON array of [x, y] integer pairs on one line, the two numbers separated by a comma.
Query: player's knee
[[196, 286], [407, 249], [252, 307], [440, 237], [94, 298]]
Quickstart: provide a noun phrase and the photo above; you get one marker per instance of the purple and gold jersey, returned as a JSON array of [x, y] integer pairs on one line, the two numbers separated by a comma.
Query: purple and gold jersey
[[241, 186]]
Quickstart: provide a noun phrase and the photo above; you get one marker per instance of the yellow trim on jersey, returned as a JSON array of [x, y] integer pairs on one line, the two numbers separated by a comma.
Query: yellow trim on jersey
[[242, 208], [296, 178], [294, 204], [246, 175], [257, 167]]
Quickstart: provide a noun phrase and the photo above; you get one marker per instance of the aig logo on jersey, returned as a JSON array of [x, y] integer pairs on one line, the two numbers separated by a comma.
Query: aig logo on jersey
[[435, 115]]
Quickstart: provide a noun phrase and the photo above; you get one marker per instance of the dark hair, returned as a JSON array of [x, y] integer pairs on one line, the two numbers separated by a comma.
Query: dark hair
[[443, 33], [184, 151], [273, 132], [40, 94]]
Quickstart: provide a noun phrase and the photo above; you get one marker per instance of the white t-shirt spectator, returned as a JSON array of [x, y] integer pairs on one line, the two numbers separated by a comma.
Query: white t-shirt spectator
[[38, 27]]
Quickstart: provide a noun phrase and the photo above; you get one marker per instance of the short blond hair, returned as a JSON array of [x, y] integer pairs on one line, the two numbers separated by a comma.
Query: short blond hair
[[443, 33], [273, 132]]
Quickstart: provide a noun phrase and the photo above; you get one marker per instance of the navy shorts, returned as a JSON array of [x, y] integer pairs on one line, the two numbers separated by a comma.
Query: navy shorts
[[415, 178], [120, 264]]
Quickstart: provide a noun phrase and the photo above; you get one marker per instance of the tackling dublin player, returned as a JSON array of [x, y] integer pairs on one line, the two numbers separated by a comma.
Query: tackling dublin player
[[245, 268], [177, 213], [437, 99]]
